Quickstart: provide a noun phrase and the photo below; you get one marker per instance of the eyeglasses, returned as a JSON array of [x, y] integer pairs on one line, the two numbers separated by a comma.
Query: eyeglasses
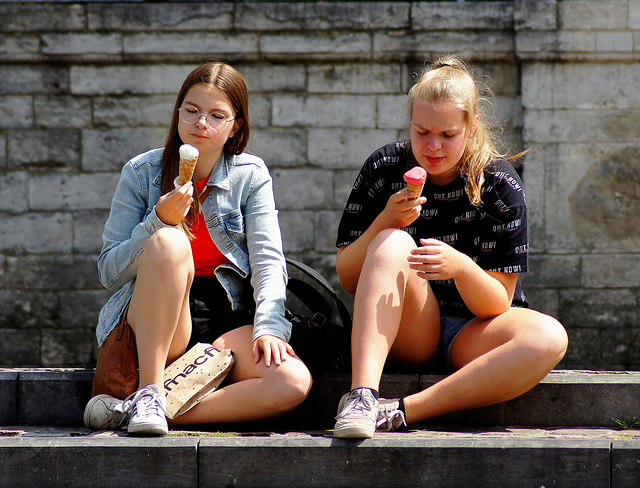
[[190, 115]]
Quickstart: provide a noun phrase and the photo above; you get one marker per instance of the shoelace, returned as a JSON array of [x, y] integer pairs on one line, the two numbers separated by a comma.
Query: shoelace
[[147, 402], [391, 421], [361, 400]]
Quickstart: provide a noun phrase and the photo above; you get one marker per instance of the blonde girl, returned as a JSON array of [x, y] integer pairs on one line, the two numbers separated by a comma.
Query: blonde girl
[[436, 277]]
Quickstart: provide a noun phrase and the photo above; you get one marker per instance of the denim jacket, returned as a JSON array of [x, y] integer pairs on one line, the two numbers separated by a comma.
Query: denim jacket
[[243, 223]]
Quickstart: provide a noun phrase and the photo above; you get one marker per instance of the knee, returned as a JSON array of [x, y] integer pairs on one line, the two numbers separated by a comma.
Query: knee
[[295, 380], [549, 338], [169, 247], [390, 245]]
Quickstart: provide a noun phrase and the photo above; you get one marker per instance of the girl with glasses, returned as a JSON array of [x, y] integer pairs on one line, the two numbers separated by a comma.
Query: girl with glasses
[[221, 281], [435, 275]]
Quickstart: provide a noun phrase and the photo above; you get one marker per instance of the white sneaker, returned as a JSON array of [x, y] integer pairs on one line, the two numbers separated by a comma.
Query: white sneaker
[[390, 417], [357, 413], [148, 410], [104, 412]]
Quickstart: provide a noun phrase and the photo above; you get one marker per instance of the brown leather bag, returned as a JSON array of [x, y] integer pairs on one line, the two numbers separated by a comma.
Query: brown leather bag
[[117, 367]]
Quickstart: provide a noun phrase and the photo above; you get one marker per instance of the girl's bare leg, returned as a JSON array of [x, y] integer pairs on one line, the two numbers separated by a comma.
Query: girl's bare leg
[[256, 391], [159, 308], [498, 359], [394, 311]]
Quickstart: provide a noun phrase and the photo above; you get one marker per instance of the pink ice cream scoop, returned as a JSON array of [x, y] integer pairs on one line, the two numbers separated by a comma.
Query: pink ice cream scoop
[[415, 179]]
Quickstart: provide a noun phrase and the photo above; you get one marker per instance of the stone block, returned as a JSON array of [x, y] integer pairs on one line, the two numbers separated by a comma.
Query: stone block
[[326, 230], [72, 191], [170, 462], [544, 300], [21, 17], [19, 347], [344, 111], [14, 195], [65, 391], [297, 230], [110, 149], [87, 231], [355, 78], [9, 395], [599, 308], [53, 148], [54, 111], [497, 45], [423, 461], [32, 79], [79, 309], [262, 78], [259, 111], [297, 189], [280, 147], [68, 347], [620, 347], [613, 271], [212, 44], [474, 16], [137, 79], [535, 15], [547, 270], [195, 16], [53, 231], [81, 44], [571, 399], [393, 112], [134, 111], [346, 148], [593, 15], [16, 111], [584, 349], [26, 309], [52, 272], [316, 43], [313, 16], [625, 463], [615, 42], [20, 47]]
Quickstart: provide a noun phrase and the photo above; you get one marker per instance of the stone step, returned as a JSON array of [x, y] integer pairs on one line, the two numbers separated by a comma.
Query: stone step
[[444, 457], [568, 398]]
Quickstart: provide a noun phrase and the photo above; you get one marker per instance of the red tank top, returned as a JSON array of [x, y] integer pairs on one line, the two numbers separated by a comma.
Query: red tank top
[[206, 256]]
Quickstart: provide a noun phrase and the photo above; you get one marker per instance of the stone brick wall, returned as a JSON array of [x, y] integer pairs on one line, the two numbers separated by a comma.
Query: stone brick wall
[[84, 86]]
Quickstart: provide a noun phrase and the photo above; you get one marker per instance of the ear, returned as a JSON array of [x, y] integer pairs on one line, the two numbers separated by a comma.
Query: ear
[[236, 125]]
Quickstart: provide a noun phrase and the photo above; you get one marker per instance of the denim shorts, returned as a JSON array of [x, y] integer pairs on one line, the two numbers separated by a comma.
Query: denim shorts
[[450, 327]]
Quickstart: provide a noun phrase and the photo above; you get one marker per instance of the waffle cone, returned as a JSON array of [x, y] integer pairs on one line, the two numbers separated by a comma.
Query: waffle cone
[[187, 167]]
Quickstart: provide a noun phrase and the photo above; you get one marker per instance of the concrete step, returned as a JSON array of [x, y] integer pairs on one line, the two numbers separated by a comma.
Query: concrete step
[[56, 397], [444, 457]]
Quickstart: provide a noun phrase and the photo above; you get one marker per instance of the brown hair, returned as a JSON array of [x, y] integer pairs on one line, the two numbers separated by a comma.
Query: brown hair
[[231, 83], [448, 80]]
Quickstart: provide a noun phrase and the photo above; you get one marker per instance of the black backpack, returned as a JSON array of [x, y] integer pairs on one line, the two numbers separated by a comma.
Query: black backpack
[[323, 345]]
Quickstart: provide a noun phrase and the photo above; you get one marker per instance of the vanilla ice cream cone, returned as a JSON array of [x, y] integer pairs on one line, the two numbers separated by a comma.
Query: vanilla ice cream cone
[[188, 160]]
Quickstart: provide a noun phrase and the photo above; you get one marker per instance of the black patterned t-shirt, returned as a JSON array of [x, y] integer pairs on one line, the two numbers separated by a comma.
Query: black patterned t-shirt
[[494, 234]]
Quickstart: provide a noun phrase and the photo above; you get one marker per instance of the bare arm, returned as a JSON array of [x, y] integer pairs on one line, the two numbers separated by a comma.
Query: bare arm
[[485, 293], [399, 212]]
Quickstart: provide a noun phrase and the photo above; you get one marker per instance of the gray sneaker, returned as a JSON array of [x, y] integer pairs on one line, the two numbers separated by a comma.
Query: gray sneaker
[[148, 412], [357, 413], [390, 417], [104, 412]]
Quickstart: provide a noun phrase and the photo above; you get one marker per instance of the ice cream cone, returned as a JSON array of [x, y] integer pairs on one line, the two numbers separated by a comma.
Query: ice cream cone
[[188, 160], [415, 179]]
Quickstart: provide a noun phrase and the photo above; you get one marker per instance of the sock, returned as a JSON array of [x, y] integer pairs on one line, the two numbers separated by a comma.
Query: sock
[[401, 407]]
